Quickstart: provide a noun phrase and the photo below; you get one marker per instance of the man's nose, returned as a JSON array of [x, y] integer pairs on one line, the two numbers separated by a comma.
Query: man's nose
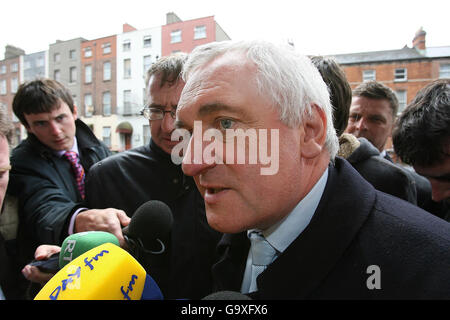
[[167, 123], [361, 124], [55, 128], [194, 162]]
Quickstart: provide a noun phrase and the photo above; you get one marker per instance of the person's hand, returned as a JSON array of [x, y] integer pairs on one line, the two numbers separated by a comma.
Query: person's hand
[[110, 220], [32, 273]]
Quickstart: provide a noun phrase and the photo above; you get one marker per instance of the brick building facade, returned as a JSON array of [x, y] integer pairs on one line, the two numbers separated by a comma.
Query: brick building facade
[[10, 79], [184, 36], [98, 77], [405, 71]]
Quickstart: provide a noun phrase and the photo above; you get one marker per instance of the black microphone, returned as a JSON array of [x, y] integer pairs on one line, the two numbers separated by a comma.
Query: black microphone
[[227, 295], [149, 239], [150, 227]]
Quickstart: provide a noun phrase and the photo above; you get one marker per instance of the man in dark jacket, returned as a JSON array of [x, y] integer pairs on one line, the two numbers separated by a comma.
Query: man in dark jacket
[[49, 186], [372, 113], [381, 172], [363, 156], [314, 228], [422, 139], [128, 179]]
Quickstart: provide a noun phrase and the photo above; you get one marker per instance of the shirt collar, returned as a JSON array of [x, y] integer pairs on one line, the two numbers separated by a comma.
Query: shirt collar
[[74, 148], [283, 233]]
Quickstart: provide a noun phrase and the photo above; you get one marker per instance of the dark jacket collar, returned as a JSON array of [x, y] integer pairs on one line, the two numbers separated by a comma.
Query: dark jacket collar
[[363, 152], [164, 157], [158, 151], [85, 137]]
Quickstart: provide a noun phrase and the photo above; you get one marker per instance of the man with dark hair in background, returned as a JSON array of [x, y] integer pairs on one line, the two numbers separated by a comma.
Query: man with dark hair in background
[[421, 139], [364, 157], [128, 179], [372, 114], [49, 167]]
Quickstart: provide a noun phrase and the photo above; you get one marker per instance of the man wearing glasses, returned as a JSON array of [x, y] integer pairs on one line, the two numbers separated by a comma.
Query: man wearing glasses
[[128, 179]]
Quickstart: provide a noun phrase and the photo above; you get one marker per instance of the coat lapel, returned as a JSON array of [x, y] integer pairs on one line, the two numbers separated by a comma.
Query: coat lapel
[[229, 270], [338, 218]]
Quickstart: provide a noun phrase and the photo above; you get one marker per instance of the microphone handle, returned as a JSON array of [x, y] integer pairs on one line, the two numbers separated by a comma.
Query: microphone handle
[[50, 265]]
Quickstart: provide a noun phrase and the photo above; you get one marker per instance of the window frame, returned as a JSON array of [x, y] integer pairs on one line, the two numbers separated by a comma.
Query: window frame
[[400, 72], [176, 36], [88, 106], [372, 77], [86, 73], [88, 52], [107, 71], [444, 74], [200, 33], [106, 106], [402, 97], [145, 39], [73, 75]]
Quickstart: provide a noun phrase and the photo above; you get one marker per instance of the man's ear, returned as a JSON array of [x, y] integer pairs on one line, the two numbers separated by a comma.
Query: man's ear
[[314, 133], [75, 112]]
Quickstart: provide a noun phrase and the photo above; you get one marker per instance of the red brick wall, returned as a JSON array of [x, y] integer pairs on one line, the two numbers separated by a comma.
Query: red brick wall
[[98, 86], [419, 74], [188, 43]]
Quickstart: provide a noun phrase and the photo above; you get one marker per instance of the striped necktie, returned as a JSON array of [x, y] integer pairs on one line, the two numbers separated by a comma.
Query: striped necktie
[[77, 170], [262, 255]]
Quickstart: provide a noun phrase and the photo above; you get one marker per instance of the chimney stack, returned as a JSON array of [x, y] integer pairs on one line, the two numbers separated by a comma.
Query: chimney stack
[[13, 52], [171, 17], [419, 40], [127, 28]]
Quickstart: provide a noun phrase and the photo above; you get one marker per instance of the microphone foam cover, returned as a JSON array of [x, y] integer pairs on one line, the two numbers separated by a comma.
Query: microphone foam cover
[[153, 219], [78, 243], [106, 272]]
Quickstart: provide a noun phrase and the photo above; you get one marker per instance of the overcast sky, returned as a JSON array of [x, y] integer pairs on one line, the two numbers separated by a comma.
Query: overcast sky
[[315, 26]]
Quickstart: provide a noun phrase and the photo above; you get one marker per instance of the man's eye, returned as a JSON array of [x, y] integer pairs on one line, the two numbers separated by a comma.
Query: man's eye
[[378, 120], [40, 123], [226, 123]]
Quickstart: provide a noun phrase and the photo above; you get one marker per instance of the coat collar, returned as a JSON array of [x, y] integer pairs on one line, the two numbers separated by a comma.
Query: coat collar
[[158, 151], [363, 152]]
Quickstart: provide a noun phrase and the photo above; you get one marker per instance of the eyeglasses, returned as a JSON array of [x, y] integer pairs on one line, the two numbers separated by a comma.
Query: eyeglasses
[[156, 114]]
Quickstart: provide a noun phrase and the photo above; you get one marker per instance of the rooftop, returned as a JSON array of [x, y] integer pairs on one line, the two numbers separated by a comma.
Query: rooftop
[[405, 53]]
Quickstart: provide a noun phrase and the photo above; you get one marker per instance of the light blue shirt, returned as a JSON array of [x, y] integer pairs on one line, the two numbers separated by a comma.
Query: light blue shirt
[[283, 233]]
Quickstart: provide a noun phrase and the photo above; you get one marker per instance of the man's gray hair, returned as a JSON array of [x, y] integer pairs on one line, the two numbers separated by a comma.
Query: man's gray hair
[[169, 67], [6, 124], [286, 77]]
